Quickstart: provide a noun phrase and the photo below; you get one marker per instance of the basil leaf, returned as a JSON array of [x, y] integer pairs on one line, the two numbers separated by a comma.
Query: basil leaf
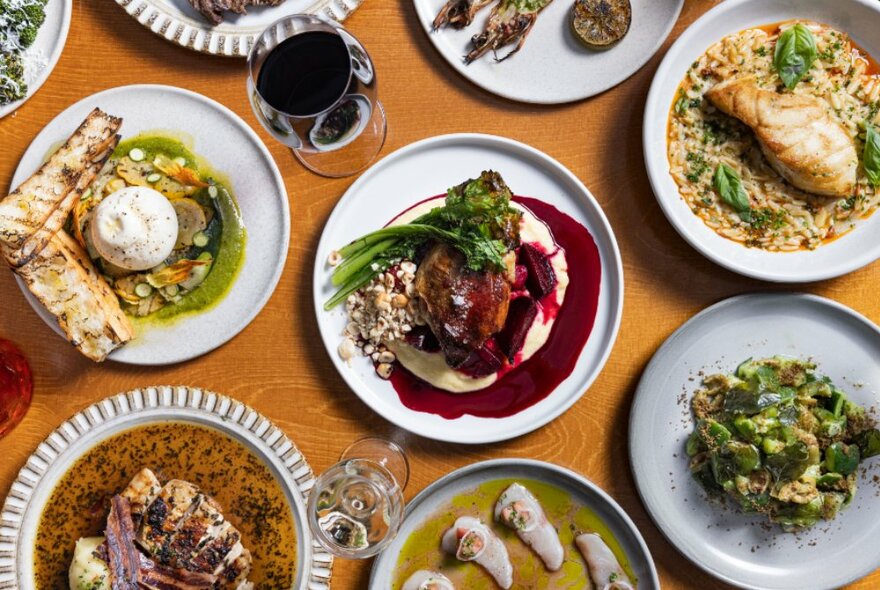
[[729, 186], [795, 53], [871, 155]]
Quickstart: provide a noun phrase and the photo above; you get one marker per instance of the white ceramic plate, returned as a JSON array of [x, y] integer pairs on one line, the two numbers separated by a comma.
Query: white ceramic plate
[[854, 250], [41, 57], [233, 149], [464, 480], [553, 66], [36, 480], [177, 21], [427, 168], [735, 547]]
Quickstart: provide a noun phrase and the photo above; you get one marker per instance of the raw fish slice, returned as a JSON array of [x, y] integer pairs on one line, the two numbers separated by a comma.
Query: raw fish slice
[[605, 571], [427, 580], [470, 540], [519, 510]]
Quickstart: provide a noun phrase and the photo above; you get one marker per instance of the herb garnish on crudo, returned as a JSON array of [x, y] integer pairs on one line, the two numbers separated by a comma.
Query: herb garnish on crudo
[[476, 218], [779, 439]]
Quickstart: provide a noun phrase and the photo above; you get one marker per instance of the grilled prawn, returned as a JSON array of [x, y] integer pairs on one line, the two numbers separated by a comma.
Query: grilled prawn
[[459, 13], [510, 22]]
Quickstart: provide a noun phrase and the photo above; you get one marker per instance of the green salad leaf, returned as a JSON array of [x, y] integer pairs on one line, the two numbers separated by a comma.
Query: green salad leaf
[[871, 155], [795, 53], [729, 186]]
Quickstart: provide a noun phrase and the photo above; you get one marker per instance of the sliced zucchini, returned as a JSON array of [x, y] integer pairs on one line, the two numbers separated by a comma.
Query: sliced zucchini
[[143, 290], [154, 177], [212, 191], [200, 239], [191, 220], [137, 154], [198, 274], [601, 23]]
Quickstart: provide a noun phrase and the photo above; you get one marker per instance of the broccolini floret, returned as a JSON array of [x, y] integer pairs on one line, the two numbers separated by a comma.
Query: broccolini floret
[[20, 20]]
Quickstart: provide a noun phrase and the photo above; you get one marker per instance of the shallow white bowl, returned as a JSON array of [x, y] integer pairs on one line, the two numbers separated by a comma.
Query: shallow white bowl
[[861, 246], [233, 149], [739, 548], [461, 481], [425, 169], [36, 480]]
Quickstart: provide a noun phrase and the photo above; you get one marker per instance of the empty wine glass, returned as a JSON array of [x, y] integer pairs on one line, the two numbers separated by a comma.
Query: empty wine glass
[[312, 86], [356, 506]]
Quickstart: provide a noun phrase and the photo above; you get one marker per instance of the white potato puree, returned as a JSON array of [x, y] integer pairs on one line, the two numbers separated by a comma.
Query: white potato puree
[[432, 367]]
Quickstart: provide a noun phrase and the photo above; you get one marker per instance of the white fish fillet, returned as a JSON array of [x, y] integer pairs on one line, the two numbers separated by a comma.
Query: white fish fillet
[[427, 580], [36, 210], [64, 280], [519, 510], [605, 571], [470, 540], [800, 139]]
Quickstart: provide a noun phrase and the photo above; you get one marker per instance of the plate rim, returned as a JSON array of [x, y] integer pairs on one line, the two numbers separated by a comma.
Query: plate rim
[[461, 70], [657, 174], [642, 391], [57, 50], [532, 464], [584, 196], [201, 37], [283, 199], [236, 418]]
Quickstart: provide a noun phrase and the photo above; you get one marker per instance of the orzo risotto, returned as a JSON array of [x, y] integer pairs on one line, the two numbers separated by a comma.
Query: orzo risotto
[[702, 139]]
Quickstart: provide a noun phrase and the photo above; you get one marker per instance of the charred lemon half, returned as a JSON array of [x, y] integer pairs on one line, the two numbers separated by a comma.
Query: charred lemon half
[[601, 23]]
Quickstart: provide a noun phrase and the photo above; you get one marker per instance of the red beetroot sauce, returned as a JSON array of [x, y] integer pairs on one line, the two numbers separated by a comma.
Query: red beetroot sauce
[[535, 379]]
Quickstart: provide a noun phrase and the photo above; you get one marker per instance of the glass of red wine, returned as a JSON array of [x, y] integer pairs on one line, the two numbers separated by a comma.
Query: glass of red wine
[[312, 86], [16, 386]]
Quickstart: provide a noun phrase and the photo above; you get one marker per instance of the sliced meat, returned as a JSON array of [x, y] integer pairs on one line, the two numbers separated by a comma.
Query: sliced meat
[[152, 576], [213, 9], [175, 502], [464, 307], [123, 556], [141, 491]]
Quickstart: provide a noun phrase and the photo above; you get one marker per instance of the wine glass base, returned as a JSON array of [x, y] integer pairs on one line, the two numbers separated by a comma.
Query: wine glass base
[[352, 158]]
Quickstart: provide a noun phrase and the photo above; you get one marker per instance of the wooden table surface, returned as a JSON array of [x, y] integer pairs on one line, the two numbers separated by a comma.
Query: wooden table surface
[[278, 364]]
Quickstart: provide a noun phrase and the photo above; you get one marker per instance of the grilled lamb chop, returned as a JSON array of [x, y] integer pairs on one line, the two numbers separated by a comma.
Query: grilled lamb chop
[[213, 9], [464, 307]]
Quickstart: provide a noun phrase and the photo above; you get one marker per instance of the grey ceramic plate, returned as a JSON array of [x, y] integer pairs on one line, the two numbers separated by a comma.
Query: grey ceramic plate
[[50, 461], [232, 148], [738, 548], [553, 66], [466, 479]]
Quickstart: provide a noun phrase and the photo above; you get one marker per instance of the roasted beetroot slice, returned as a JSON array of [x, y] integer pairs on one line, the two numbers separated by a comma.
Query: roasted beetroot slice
[[484, 361], [521, 276], [422, 338], [520, 315], [542, 279]]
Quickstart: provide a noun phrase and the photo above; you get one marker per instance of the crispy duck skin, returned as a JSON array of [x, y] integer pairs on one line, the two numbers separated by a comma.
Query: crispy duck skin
[[464, 307], [213, 9], [32, 213]]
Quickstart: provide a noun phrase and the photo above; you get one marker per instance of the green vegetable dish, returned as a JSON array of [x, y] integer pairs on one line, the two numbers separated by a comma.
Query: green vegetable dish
[[780, 440], [20, 20], [210, 238]]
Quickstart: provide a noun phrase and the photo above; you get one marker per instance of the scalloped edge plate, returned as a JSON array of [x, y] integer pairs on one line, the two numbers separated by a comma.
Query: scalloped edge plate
[[227, 39], [90, 426]]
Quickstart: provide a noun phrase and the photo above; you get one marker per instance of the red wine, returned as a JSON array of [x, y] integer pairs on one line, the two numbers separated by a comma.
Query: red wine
[[305, 74]]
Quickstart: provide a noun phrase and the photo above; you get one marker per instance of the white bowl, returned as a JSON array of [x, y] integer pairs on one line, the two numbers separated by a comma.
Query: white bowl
[[859, 18], [36, 480]]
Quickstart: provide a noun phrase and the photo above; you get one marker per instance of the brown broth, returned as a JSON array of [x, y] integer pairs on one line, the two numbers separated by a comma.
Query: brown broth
[[251, 497]]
